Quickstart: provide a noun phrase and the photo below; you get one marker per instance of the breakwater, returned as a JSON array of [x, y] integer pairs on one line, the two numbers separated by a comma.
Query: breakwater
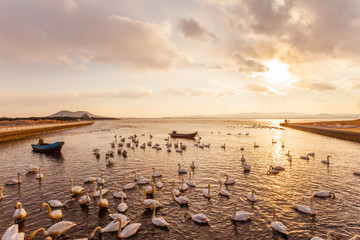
[[346, 134], [15, 133]]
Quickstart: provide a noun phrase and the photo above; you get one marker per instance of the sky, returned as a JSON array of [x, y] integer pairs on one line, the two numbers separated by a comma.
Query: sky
[[164, 58]]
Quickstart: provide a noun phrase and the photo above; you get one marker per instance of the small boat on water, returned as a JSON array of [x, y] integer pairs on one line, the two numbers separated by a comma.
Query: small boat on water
[[47, 147], [174, 134]]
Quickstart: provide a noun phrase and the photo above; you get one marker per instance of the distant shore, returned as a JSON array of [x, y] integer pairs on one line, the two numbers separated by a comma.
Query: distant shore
[[347, 130], [12, 130]]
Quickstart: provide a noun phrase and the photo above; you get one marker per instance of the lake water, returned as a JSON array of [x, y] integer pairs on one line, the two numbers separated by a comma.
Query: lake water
[[294, 185]]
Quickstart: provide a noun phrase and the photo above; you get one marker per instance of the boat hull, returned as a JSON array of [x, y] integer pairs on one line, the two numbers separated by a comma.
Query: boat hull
[[183, 135], [48, 148]]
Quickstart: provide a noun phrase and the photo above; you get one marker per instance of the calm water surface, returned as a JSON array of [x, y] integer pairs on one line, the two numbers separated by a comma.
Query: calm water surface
[[294, 185]]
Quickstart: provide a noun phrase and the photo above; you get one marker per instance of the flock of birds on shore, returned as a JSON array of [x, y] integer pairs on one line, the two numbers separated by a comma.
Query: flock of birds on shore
[[121, 222]]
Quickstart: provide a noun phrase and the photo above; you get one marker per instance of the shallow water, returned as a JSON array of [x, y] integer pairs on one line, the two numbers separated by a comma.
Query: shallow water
[[294, 185]]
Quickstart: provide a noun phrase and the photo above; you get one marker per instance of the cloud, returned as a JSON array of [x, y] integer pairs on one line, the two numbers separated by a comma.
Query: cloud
[[195, 92], [254, 87], [193, 29], [315, 85], [320, 100], [41, 31], [132, 92]]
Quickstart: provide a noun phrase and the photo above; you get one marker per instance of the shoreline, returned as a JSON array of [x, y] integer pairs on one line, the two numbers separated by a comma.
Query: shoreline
[[346, 130], [21, 132]]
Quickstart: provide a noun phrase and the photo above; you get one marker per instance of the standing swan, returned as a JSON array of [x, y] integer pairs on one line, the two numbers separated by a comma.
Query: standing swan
[[75, 190], [55, 215], [14, 181], [12, 233], [305, 209], [158, 221], [102, 203], [19, 213], [278, 226], [240, 215], [55, 230], [206, 192], [223, 192], [129, 230]]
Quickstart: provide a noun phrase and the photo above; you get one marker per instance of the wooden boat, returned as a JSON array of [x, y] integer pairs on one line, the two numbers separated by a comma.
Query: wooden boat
[[48, 147], [174, 134]]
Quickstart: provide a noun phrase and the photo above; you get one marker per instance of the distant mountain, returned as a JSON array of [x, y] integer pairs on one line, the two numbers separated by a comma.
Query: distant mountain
[[278, 115], [77, 114]]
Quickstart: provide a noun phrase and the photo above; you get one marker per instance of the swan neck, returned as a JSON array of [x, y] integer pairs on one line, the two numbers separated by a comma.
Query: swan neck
[[36, 231], [94, 232], [154, 209], [234, 209], [100, 195], [311, 204], [19, 181], [115, 188], [48, 207], [95, 187], [119, 232]]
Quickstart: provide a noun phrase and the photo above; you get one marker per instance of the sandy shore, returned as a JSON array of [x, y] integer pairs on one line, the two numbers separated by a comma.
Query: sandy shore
[[347, 130]]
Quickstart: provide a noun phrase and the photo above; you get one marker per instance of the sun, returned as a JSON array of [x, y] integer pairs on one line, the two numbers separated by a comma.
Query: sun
[[278, 72]]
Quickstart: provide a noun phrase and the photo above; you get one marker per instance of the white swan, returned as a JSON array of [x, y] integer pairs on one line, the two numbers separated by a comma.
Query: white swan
[[190, 183], [240, 215], [53, 215], [156, 173], [158, 221], [122, 207], [32, 168], [272, 171], [12, 233], [183, 185], [323, 193], [242, 158], [279, 168], [150, 189], [114, 216], [113, 226], [180, 200], [129, 185], [118, 194], [327, 161], [305, 209], [181, 170], [56, 203], [129, 230], [75, 190], [19, 213], [55, 230], [14, 181], [102, 203], [251, 196], [39, 175], [199, 218], [223, 146], [278, 226], [109, 161], [328, 236], [159, 184], [101, 179], [228, 180], [255, 145], [192, 165], [143, 180], [305, 157], [96, 193], [175, 191], [85, 200], [148, 202], [288, 154], [1, 194], [223, 191], [290, 158], [246, 167], [206, 192], [312, 154]]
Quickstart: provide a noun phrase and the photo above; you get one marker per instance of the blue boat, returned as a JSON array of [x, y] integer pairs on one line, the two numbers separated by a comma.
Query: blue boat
[[48, 147]]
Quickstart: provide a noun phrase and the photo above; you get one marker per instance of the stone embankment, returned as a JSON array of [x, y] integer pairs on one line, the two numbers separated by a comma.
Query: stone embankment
[[20, 132]]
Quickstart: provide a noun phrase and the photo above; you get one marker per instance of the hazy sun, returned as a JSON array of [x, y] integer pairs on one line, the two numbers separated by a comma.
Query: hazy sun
[[278, 72]]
